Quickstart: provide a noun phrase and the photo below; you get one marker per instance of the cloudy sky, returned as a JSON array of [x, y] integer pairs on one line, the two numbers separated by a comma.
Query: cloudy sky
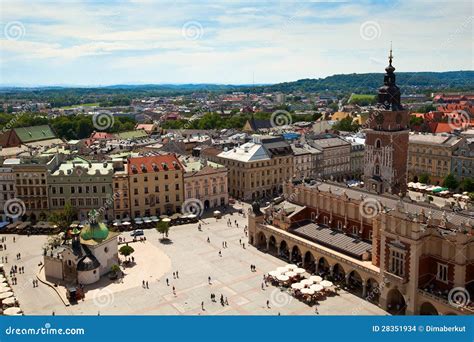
[[231, 42]]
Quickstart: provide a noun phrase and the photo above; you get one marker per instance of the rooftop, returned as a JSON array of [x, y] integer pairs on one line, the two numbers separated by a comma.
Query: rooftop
[[167, 162]]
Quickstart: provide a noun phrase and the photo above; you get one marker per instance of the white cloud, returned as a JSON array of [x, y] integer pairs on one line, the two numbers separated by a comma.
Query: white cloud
[[276, 42]]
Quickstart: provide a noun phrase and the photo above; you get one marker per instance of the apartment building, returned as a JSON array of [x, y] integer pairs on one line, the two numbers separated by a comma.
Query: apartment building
[[84, 184], [7, 189], [336, 159], [205, 181], [156, 185], [257, 169], [431, 154]]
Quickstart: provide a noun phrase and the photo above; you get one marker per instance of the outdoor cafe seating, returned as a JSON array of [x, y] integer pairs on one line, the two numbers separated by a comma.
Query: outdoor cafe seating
[[310, 289]]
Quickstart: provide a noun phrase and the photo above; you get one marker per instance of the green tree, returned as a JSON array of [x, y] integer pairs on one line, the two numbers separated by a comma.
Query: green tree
[[346, 125], [424, 178], [64, 218], [415, 121], [163, 228], [126, 250], [450, 182], [467, 184]]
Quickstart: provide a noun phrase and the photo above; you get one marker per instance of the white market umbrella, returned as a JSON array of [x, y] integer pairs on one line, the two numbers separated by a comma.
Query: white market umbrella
[[326, 283], [306, 282], [126, 223], [5, 295], [5, 289], [457, 195], [9, 301], [274, 274], [283, 277], [307, 291], [290, 274], [216, 212], [299, 270], [191, 216], [281, 270], [316, 287], [315, 279], [147, 221], [297, 286], [3, 285], [166, 219], [291, 267], [13, 311]]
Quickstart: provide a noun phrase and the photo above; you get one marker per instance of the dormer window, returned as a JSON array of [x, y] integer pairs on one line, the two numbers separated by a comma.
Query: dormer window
[[378, 143]]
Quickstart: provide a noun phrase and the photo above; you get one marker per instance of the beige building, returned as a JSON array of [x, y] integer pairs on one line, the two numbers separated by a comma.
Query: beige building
[[120, 183], [156, 185], [431, 154], [336, 156], [32, 188], [7, 190], [407, 259], [306, 162], [205, 181], [257, 169]]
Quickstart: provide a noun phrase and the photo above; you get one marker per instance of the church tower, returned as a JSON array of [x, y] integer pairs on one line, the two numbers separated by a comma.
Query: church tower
[[386, 143]]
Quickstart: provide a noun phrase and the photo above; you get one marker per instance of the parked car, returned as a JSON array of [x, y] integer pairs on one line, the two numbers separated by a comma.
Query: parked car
[[137, 232]]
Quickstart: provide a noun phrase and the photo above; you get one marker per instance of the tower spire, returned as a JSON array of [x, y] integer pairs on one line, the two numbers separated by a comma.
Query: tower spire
[[390, 56]]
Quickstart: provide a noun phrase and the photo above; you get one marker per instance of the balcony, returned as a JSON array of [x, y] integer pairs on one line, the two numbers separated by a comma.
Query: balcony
[[442, 298], [395, 278]]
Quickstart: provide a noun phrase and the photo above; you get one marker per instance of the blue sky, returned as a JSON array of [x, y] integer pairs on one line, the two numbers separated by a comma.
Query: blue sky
[[231, 42]]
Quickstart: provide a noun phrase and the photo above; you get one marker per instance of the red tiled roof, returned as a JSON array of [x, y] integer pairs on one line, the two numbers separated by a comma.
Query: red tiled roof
[[167, 162], [101, 135]]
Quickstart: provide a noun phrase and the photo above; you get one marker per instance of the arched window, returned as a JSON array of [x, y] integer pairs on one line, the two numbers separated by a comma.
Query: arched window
[[378, 143], [377, 170]]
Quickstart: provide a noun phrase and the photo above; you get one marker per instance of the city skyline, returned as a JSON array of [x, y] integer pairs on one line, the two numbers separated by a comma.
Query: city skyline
[[128, 42]]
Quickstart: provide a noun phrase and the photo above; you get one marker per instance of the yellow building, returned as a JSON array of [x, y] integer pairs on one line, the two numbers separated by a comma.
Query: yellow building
[[156, 185], [430, 154]]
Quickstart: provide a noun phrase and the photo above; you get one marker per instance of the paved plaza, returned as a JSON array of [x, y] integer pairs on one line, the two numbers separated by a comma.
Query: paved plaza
[[195, 259]]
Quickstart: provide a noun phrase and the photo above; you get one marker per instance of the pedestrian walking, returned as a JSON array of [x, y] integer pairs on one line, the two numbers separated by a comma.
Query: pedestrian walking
[[167, 282], [209, 280], [268, 304], [177, 275], [174, 275]]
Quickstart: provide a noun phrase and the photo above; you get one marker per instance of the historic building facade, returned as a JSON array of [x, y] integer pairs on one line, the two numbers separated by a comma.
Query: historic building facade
[[205, 181], [431, 155], [156, 185], [32, 188], [257, 169], [7, 191], [407, 259], [386, 143], [84, 184]]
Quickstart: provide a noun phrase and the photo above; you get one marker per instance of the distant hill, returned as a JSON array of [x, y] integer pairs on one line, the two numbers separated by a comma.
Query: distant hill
[[368, 83], [409, 82]]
